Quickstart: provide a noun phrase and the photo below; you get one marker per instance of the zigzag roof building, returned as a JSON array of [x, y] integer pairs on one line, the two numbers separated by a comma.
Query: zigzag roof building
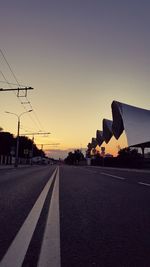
[[135, 121]]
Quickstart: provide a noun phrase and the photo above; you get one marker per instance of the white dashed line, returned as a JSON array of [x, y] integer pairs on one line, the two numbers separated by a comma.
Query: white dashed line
[[114, 176], [122, 178], [143, 184]]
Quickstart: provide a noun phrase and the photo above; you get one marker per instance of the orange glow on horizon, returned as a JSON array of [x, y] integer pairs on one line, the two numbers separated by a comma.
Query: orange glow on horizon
[[115, 145]]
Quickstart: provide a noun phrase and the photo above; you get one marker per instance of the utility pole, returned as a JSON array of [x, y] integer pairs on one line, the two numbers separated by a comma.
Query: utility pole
[[18, 132]]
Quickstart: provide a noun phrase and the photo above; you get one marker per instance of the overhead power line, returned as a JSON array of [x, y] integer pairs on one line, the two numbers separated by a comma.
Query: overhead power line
[[9, 83], [33, 134], [9, 67], [21, 88]]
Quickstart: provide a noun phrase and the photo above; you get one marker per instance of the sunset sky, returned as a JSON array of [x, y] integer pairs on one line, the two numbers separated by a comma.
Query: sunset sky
[[79, 56]]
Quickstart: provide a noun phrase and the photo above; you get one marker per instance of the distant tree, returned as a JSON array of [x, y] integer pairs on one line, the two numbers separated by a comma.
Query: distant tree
[[8, 147], [97, 159], [128, 157], [70, 158], [6, 143], [78, 156], [26, 145], [74, 157], [128, 153]]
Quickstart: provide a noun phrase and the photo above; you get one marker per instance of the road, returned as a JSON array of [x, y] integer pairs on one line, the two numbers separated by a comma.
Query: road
[[74, 216]]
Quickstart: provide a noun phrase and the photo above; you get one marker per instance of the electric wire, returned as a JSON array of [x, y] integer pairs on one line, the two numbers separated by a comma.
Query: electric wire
[[25, 108], [9, 83], [19, 85], [31, 107]]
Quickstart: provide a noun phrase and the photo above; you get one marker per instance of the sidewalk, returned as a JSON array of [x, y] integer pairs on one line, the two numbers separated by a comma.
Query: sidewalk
[[8, 167]]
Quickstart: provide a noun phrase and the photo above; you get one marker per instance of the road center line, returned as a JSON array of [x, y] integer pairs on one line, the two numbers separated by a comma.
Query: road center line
[[114, 176], [50, 251], [144, 184], [17, 250]]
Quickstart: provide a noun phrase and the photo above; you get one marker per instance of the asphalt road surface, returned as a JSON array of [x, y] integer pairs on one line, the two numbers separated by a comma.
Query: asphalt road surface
[[52, 216]]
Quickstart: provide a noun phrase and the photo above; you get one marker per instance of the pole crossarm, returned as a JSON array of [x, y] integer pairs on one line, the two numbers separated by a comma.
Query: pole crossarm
[[41, 133], [25, 89], [52, 144]]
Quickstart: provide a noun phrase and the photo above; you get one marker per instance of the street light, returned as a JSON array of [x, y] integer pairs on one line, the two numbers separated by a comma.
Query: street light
[[18, 130]]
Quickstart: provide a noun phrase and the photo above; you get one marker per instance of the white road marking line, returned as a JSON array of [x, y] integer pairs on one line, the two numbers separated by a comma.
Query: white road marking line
[[144, 184], [17, 250], [114, 176], [50, 251]]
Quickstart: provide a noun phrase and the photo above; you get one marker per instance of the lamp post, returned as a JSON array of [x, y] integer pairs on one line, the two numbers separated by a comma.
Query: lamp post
[[18, 130]]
